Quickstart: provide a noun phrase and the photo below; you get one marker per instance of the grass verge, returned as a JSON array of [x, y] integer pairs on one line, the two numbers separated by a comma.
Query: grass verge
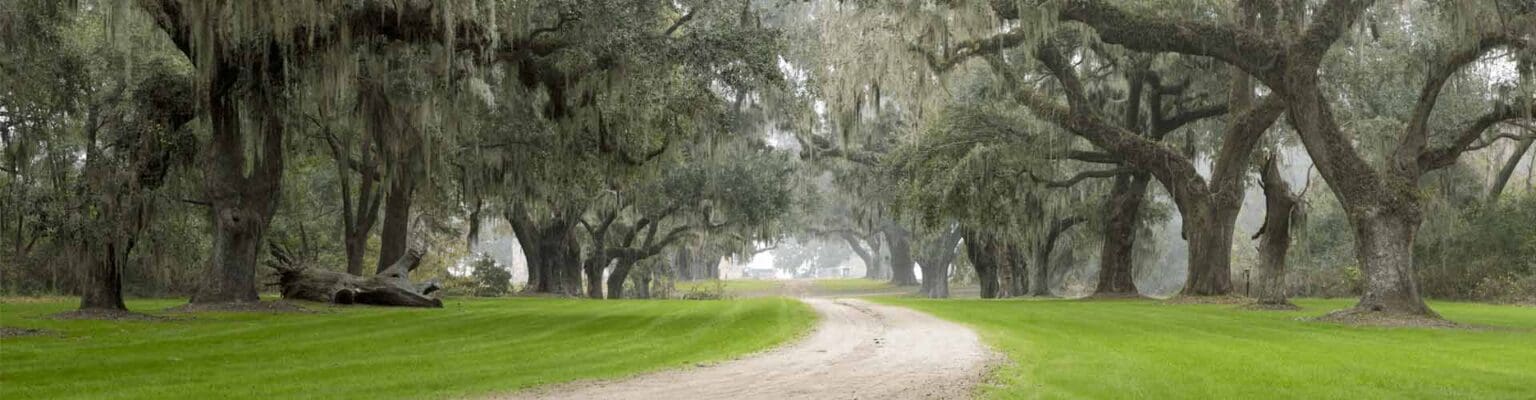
[[469, 348], [1116, 349]]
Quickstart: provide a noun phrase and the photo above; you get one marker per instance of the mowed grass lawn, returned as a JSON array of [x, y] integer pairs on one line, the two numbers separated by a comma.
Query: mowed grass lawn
[[1128, 349], [471, 347]]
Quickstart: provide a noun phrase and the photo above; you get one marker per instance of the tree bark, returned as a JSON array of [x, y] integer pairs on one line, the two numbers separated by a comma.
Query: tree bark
[[1209, 231], [938, 253], [901, 257], [983, 255], [1385, 250], [242, 206], [1509, 169], [1017, 283], [394, 236], [1117, 256], [1275, 237], [102, 288], [551, 249], [1040, 279], [391, 287], [621, 269], [869, 255]]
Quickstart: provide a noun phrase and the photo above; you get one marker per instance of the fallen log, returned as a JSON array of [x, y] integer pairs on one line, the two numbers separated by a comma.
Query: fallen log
[[390, 287]]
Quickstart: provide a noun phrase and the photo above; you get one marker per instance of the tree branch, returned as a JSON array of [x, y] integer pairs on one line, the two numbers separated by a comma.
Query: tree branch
[[1081, 176], [1444, 156]]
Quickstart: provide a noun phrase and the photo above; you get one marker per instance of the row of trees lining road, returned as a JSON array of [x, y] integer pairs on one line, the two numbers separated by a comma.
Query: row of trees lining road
[[601, 130], [168, 146], [1106, 82]]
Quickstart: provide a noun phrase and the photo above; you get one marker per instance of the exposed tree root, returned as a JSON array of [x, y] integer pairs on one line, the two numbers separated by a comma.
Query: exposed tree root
[[106, 315], [1365, 317]]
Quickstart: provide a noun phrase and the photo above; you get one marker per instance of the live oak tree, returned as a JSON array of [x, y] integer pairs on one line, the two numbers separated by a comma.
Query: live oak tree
[[1380, 200]]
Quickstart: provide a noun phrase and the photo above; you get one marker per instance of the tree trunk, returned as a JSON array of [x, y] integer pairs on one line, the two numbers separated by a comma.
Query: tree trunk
[[1509, 169], [1040, 276], [102, 288], [395, 234], [938, 253], [935, 280], [1209, 233], [870, 255], [621, 268], [241, 205], [391, 287], [357, 247], [983, 255], [593, 269], [876, 268], [901, 259], [1384, 245], [1117, 256], [236, 240], [1017, 283], [1275, 237], [561, 260], [642, 282]]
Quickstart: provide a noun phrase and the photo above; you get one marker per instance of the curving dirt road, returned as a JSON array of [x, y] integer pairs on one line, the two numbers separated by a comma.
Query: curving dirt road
[[860, 350]]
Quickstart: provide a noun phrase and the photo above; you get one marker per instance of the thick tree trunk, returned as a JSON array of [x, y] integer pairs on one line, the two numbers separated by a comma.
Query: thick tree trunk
[[1275, 237], [983, 255], [357, 247], [1017, 283], [593, 269], [621, 268], [642, 282], [390, 287], [1209, 233], [242, 206], [236, 241], [1384, 245], [901, 260], [395, 234], [935, 280], [869, 255], [102, 288], [1040, 279], [938, 253], [1040, 276], [1117, 256], [561, 267]]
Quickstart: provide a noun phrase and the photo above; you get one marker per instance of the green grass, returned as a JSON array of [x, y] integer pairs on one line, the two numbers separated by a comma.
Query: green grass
[[470, 347], [1147, 350], [733, 287]]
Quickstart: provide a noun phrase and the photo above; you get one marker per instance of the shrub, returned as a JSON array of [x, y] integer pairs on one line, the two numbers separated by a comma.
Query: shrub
[[491, 279]]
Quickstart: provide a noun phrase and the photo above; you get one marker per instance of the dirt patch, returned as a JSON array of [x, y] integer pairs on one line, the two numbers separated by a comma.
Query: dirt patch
[[260, 306], [11, 332], [860, 350], [1227, 300], [106, 315], [1388, 320], [1116, 297], [1287, 306], [35, 299]]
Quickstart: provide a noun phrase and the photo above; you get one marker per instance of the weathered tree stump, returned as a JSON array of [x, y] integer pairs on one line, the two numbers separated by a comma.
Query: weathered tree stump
[[390, 287]]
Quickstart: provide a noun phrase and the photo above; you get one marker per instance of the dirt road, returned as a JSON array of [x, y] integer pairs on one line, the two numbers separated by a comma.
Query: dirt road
[[859, 350]]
